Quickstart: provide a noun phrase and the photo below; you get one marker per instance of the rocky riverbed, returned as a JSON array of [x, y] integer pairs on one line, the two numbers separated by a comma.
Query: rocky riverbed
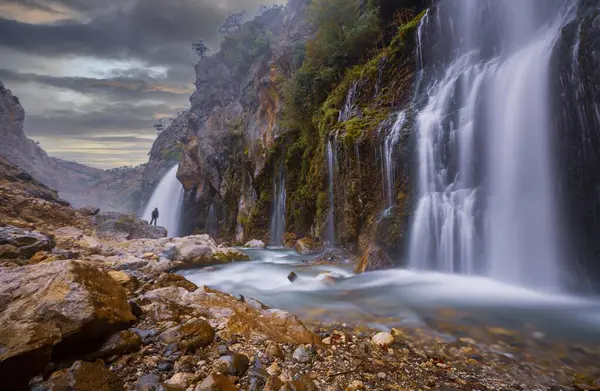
[[89, 301]]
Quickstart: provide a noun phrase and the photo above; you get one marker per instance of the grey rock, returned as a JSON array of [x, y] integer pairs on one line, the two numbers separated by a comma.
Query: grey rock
[[26, 242], [302, 355]]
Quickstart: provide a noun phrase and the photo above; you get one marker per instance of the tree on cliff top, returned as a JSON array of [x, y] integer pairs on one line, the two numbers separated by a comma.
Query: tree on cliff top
[[232, 23], [200, 48]]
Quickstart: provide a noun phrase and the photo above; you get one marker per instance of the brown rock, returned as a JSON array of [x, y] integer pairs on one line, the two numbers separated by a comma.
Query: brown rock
[[169, 279], [305, 383], [48, 303], [308, 246], [8, 251], [216, 382], [190, 335], [374, 259], [235, 364], [274, 351], [84, 376]]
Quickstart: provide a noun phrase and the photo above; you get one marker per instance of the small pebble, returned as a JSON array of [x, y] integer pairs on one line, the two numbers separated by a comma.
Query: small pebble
[[383, 339], [301, 355], [165, 366], [356, 385], [381, 376]]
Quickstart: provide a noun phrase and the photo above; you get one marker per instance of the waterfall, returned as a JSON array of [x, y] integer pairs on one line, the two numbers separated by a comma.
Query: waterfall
[[486, 177], [168, 198], [331, 177], [346, 112], [279, 205], [212, 222], [390, 142]]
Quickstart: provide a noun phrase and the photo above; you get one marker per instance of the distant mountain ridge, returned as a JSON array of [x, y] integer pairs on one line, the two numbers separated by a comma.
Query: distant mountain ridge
[[114, 190]]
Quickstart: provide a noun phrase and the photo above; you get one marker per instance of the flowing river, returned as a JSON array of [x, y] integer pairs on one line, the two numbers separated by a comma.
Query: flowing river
[[401, 298]]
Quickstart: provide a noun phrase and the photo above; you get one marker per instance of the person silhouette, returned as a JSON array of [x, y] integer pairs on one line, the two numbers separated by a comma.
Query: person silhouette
[[154, 216]]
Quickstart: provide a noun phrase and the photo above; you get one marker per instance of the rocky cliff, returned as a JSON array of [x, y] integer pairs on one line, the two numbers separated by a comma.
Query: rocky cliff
[[240, 132], [115, 190]]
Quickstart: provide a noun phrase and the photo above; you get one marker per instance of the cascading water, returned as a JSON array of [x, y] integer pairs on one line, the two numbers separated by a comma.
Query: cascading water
[[168, 198], [279, 204], [486, 177], [331, 177], [390, 142], [212, 222]]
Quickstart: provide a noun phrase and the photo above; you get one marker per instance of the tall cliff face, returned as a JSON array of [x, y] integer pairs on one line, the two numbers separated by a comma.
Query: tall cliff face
[[577, 120], [236, 138], [115, 190]]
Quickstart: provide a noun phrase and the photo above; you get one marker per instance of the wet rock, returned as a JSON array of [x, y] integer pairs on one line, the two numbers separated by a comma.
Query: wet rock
[[27, 242], [165, 366], [292, 277], [308, 246], [257, 244], [374, 259], [215, 382], [190, 335], [274, 351], [383, 339], [48, 303], [84, 376], [88, 211], [169, 252], [302, 355]]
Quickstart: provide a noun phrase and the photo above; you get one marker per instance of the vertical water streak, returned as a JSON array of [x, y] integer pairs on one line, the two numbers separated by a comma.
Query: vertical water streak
[[279, 206], [331, 178], [389, 144], [486, 201], [168, 198], [212, 222]]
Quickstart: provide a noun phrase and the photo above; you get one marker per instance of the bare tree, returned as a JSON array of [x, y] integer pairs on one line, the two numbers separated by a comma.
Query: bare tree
[[160, 126], [200, 48]]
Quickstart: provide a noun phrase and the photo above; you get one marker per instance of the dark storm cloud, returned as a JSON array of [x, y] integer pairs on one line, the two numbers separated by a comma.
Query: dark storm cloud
[[158, 31], [129, 84], [105, 120]]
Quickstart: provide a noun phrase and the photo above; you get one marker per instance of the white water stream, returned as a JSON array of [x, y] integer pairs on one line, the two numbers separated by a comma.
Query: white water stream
[[168, 198]]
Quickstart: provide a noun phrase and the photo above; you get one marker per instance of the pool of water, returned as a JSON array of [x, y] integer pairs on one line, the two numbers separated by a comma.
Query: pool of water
[[400, 298]]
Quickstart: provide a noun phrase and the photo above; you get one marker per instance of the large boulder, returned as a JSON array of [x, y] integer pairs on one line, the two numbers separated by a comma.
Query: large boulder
[[258, 244], [374, 259], [85, 376], [126, 226], [52, 308], [223, 311], [73, 237], [308, 246], [89, 211], [202, 250], [27, 243]]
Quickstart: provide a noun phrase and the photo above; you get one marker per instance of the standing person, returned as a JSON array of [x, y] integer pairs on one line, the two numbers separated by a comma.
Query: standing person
[[154, 216]]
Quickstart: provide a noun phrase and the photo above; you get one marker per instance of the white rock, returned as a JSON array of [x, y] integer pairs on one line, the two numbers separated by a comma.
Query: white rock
[[255, 244], [383, 339]]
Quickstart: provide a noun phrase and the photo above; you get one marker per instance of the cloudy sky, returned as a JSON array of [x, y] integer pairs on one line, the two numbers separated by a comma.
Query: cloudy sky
[[94, 75]]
